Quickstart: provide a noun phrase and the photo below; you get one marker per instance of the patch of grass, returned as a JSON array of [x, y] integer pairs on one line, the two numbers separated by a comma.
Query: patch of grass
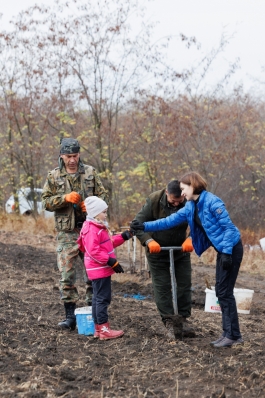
[[27, 224]]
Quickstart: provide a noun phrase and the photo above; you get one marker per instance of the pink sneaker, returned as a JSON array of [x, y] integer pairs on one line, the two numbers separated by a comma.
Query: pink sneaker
[[105, 333]]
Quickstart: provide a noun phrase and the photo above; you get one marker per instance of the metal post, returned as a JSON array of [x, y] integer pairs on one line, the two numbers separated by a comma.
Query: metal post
[[134, 252], [141, 259], [115, 250], [132, 259], [129, 251], [173, 277]]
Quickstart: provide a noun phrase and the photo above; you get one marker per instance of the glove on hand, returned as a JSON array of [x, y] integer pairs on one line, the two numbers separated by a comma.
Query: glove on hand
[[115, 265], [126, 235], [83, 207], [187, 245], [226, 261], [154, 247], [136, 226], [73, 197]]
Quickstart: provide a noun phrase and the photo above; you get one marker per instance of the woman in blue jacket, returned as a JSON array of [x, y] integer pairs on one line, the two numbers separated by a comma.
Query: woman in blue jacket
[[210, 225]]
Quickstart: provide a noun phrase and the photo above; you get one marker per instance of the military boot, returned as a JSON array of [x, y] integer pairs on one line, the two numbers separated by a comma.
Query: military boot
[[188, 330], [178, 326], [170, 335], [70, 321]]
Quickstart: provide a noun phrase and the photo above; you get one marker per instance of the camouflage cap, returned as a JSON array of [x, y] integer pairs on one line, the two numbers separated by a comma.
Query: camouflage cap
[[69, 145]]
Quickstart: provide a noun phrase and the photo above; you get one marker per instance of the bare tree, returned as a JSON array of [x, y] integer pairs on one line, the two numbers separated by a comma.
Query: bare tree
[[96, 60], [25, 129]]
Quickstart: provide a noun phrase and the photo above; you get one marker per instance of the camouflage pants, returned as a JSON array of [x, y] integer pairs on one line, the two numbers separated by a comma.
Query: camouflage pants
[[68, 258]]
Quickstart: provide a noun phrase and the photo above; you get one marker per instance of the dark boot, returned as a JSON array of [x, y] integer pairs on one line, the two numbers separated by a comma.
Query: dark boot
[[188, 330], [178, 326], [174, 326], [170, 335], [70, 321]]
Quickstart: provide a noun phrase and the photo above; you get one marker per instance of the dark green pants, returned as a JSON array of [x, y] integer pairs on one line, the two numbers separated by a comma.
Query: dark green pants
[[160, 273]]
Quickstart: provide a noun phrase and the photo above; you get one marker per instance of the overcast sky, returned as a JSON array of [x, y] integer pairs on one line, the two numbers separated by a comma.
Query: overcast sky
[[206, 20]]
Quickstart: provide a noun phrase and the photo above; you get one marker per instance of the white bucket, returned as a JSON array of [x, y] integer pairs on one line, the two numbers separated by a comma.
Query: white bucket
[[262, 243], [84, 320], [243, 299], [211, 301]]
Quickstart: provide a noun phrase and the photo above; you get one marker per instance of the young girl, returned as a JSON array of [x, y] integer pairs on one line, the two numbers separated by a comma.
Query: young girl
[[210, 225], [98, 245]]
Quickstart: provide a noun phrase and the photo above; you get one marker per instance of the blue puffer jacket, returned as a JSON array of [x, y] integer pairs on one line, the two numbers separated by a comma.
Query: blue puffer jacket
[[220, 230]]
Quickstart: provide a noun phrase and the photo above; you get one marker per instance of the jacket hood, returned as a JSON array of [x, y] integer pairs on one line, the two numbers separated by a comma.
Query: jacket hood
[[87, 224]]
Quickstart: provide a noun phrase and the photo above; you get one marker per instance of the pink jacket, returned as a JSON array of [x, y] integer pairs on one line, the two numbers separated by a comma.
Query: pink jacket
[[98, 246]]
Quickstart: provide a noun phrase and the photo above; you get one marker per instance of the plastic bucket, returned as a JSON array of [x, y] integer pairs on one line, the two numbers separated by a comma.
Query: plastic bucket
[[84, 320], [211, 301], [262, 243], [243, 299]]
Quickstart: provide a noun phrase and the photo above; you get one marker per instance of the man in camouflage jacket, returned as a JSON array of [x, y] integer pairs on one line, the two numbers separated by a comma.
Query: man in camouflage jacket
[[64, 192]]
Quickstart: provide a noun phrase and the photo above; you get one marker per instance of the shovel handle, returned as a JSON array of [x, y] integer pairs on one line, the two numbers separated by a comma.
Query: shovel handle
[[172, 248], [173, 277]]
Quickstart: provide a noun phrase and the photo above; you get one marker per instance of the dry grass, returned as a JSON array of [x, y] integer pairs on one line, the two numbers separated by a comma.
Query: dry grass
[[253, 260], [27, 224], [252, 237]]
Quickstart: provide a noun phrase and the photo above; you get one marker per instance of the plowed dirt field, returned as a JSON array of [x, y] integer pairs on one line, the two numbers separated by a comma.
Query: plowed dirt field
[[38, 360]]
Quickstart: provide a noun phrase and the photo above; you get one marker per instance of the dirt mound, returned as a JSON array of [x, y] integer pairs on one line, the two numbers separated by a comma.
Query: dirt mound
[[37, 360]]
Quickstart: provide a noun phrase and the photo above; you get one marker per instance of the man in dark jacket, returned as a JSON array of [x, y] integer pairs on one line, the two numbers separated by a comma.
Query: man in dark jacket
[[158, 205]]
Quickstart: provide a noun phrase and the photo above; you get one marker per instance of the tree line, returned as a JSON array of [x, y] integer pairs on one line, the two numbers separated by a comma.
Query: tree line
[[79, 70]]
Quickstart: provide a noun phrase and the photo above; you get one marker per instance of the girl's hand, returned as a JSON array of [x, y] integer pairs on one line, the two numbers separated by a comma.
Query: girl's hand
[[126, 235], [115, 265]]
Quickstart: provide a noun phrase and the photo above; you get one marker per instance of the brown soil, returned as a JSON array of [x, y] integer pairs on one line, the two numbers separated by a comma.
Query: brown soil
[[38, 360]]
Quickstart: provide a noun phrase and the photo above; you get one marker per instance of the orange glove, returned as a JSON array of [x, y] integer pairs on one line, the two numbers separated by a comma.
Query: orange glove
[[83, 207], [187, 245], [73, 197], [154, 247]]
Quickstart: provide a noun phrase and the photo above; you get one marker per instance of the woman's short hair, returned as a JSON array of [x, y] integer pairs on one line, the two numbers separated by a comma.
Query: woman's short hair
[[195, 180]]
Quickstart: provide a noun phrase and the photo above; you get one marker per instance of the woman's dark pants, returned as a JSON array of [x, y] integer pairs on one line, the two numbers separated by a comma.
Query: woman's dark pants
[[225, 282]]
